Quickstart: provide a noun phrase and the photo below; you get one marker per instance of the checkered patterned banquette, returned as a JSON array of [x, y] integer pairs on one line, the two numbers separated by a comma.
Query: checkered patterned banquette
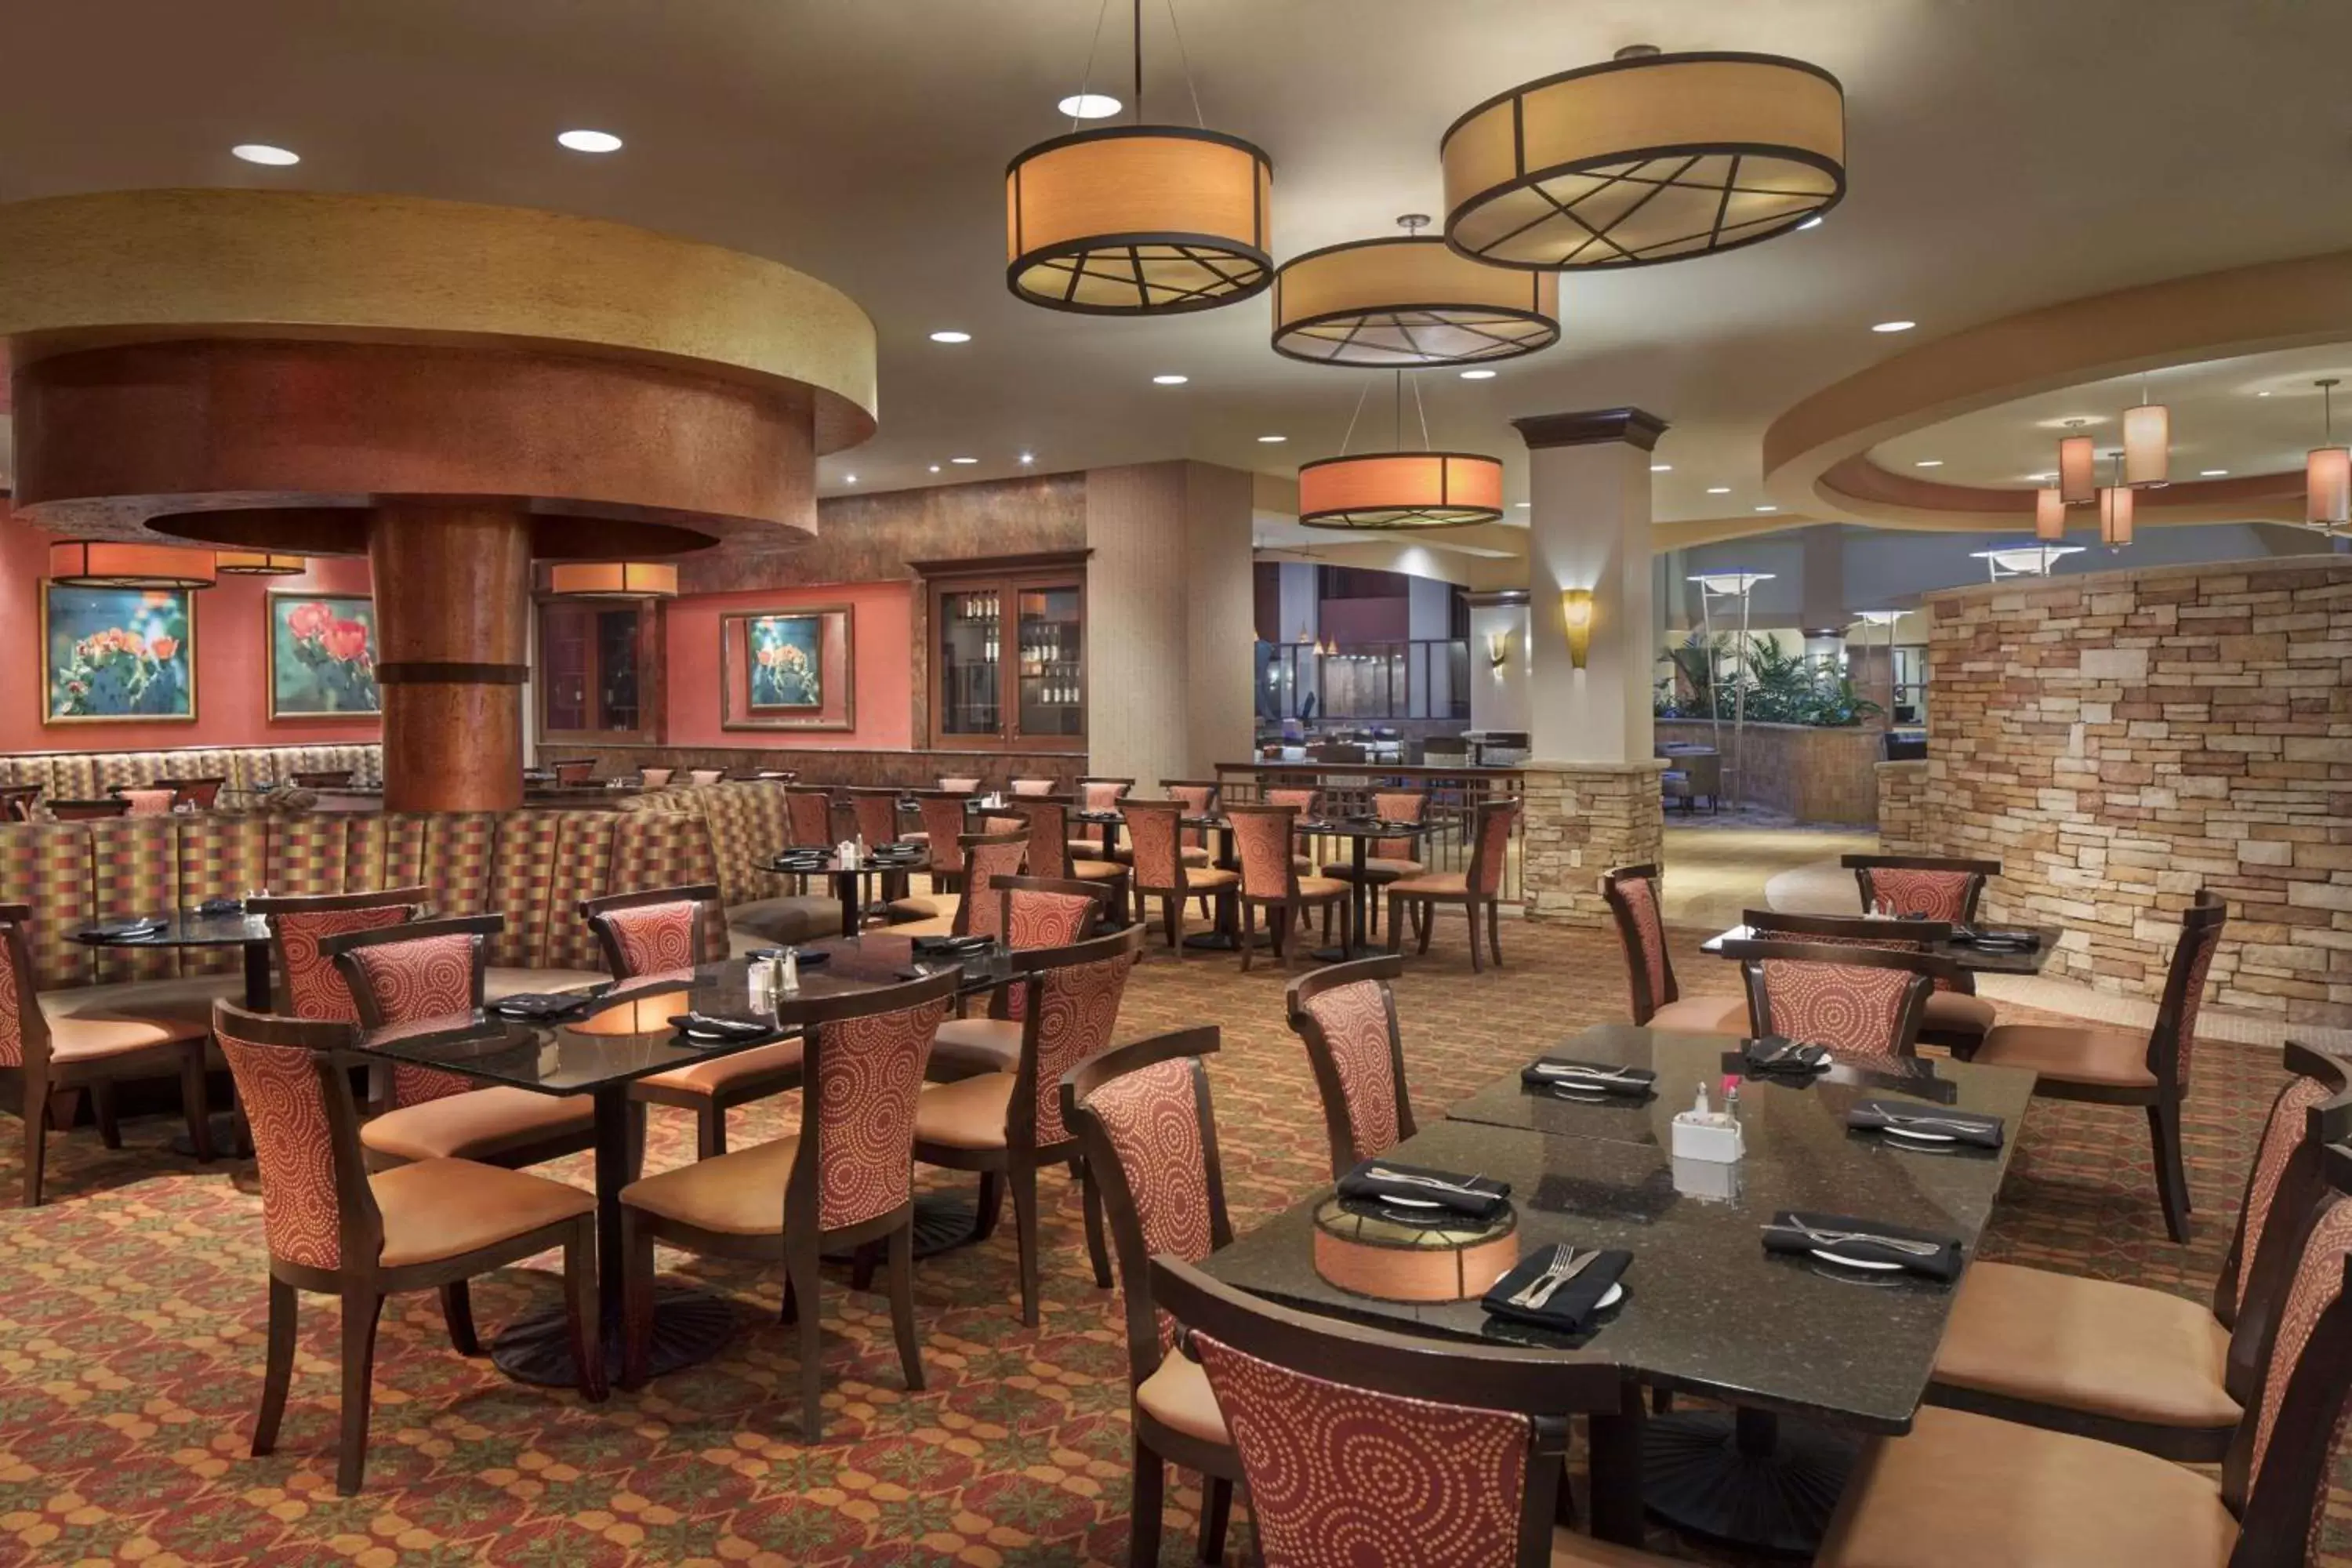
[[85, 775], [748, 824]]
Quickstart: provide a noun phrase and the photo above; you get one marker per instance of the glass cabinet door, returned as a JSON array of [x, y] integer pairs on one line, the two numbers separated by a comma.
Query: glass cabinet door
[[1052, 662], [970, 654]]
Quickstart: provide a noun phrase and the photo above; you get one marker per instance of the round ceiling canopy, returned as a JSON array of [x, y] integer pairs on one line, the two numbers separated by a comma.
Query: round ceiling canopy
[[613, 580], [1644, 159], [1409, 302], [1399, 490], [108, 564], [1137, 220]]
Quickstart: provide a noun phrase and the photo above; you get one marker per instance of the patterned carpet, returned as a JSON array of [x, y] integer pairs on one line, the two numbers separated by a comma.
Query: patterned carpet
[[131, 1345]]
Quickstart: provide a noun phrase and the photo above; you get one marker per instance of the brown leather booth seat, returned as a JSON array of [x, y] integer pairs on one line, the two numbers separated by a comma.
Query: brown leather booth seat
[[747, 823]]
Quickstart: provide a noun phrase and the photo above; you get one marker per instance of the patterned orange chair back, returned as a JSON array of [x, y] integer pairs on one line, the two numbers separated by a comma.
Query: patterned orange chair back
[[1103, 794], [1040, 918], [2308, 1348], [944, 820], [700, 778], [986, 859], [1048, 824], [1305, 802], [1356, 1024], [1854, 1011], [149, 802], [1152, 839], [1198, 800], [1399, 805], [655, 778], [20, 1007], [1948, 896], [1633, 895], [2285, 1168], [1033, 786], [654, 938], [1490, 855], [808, 817], [1262, 842], [876, 815], [309, 984], [411, 982], [572, 770], [284, 1091], [864, 1073], [1077, 1007], [1884, 935], [960, 783]]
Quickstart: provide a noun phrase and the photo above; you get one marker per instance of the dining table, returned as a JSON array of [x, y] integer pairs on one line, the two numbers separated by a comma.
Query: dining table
[[1361, 833], [848, 877], [623, 1033], [1809, 1353], [202, 928], [1956, 944]]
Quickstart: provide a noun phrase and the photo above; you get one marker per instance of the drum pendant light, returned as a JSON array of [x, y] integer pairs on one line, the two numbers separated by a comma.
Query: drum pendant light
[[613, 580], [258, 564], [2049, 514], [2148, 445], [1398, 490], [1646, 158], [1139, 220], [109, 563], [2116, 512], [2078, 472], [1409, 302], [2327, 470]]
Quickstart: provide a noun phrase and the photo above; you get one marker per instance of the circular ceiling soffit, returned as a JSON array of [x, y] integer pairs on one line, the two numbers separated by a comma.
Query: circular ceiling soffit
[[1137, 220], [1408, 302]]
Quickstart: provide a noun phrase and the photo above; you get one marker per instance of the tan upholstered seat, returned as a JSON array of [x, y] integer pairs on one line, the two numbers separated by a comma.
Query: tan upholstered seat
[[1957, 1012], [1963, 1490], [1196, 855], [1704, 1016], [478, 1124], [1445, 884], [737, 1194], [1097, 870], [714, 1076], [439, 1209], [1378, 864], [501, 982], [977, 1045], [1178, 1396], [2077, 1055], [2088, 1344], [925, 907], [79, 1038], [943, 926], [966, 1114], [1211, 879], [190, 997], [1312, 887]]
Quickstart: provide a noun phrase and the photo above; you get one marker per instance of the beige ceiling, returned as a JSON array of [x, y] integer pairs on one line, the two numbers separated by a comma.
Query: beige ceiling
[[2003, 154]]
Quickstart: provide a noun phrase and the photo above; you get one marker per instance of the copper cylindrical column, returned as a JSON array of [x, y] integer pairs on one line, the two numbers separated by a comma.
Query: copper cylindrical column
[[452, 610]]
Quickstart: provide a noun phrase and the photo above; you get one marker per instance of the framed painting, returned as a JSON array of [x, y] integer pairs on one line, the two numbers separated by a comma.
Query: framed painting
[[118, 656], [321, 656], [786, 669]]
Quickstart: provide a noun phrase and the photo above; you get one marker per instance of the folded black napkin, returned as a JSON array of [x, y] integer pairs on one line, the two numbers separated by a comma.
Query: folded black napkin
[[1596, 1078], [1842, 1236], [951, 946], [703, 1023], [800, 862], [123, 931], [1998, 940], [1478, 1197], [543, 1007], [1975, 1127], [803, 956], [1567, 1309], [221, 906], [1777, 1052]]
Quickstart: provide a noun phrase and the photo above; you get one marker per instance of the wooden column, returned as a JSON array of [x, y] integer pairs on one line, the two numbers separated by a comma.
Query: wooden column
[[452, 609]]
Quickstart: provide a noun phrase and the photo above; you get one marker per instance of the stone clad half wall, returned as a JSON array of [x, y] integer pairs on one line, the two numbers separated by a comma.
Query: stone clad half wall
[[2120, 739]]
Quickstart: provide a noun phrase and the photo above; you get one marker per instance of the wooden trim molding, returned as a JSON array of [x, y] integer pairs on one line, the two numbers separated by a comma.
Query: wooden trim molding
[[1592, 428]]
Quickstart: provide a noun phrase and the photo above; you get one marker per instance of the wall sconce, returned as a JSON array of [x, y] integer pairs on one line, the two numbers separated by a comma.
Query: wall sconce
[[1576, 609], [1499, 650]]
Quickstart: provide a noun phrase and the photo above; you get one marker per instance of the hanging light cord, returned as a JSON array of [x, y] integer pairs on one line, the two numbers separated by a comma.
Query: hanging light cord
[[1086, 77], [1185, 61], [1359, 414], [1422, 410], [1139, 61]]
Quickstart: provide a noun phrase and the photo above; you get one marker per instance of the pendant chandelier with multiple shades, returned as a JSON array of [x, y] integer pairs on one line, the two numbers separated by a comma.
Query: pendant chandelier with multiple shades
[[1646, 158], [613, 580], [1139, 220], [1409, 302], [2327, 470], [1398, 489], [110, 563]]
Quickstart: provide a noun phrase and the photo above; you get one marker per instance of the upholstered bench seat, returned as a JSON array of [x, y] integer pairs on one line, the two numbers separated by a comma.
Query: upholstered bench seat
[[186, 999], [925, 907], [788, 919]]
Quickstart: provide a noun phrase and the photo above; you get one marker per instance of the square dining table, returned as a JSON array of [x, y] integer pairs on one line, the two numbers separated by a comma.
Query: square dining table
[[1707, 1309], [623, 1035], [1974, 960]]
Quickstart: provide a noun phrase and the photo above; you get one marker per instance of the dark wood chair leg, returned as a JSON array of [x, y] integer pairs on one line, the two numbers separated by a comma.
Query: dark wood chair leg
[[1098, 1252], [196, 1103], [101, 1110], [1147, 1502], [1424, 916], [636, 1125], [457, 1311], [2171, 1180], [863, 1265], [1495, 930], [1217, 1515], [991, 1209], [582, 1311], [1024, 1181], [1471, 912], [709, 1130], [362, 1308], [35, 1111], [1249, 932], [902, 1304], [801, 1267], [637, 1301], [1396, 924], [277, 1367]]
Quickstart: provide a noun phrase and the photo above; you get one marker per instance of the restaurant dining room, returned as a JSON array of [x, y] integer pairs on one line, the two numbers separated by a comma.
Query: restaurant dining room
[[1105, 783]]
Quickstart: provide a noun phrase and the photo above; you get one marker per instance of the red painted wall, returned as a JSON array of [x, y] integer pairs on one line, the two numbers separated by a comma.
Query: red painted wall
[[232, 663], [882, 665]]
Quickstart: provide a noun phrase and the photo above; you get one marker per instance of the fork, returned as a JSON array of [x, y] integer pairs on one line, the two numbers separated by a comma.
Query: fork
[[1833, 1238], [1563, 1259], [1955, 1123], [1467, 1189], [1598, 1075]]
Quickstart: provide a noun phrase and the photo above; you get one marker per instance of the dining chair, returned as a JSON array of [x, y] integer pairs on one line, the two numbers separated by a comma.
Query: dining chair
[[139, 801], [51, 1058], [1199, 797], [808, 816], [1858, 1002], [197, 793], [1956, 1018], [1309, 803], [655, 778], [2116, 1067], [1033, 912], [89, 810], [1103, 793], [1391, 860], [1141, 1116], [1048, 818], [1480, 888], [986, 857], [875, 810], [1965, 1488], [304, 982], [1006, 1125], [422, 970], [1346, 1016], [333, 1228], [1471, 1438], [941, 836], [1657, 1002], [573, 770], [959, 784], [2148, 1368], [1156, 861], [1271, 880], [1921, 884], [844, 1180], [698, 778], [1034, 785], [16, 802]]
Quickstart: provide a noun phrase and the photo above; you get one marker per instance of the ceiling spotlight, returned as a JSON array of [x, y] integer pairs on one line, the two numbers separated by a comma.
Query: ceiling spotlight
[[1767, 509], [935, 468], [1718, 489], [1523, 505], [589, 141], [1810, 222], [849, 479], [1662, 468], [2261, 395], [2212, 473], [1169, 380], [1928, 463], [950, 337], [1089, 106], [1477, 375], [262, 153], [1027, 458], [964, 460], [1271, 440], [1893, 326]]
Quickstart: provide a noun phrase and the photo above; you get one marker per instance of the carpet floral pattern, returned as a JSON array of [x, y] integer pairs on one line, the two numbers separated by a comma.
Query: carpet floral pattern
[[132, 1338]]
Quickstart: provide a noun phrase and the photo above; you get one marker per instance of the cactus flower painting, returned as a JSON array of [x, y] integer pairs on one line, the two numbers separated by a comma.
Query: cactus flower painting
[[321, 656], [118, 655]]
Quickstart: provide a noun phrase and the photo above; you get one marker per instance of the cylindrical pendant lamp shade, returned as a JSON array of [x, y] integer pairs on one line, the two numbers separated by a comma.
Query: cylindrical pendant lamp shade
[[2049, 514], [1643, 159], [614, 580], [1409, 302], [256, 563], [1137, 220], [105, 563], [2328, 486], [1400, 491], [2148, 445], [2078, 477], [2115, 516]]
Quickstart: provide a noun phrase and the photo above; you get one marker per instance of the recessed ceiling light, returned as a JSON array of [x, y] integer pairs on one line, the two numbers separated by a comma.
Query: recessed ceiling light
[[1928, 463], [964, 460], [1271, 440], [950, 336], [849, 479], [1718, 489], [2212, 473], [1089, 106], [2261, 395], [1893, 326], [1767, 509], [262, 153], [1477, 375], [589, 141], [1662, 468], [935, 468], [1028, 457], [1523, 505], [1169, 380], [1813, 222]]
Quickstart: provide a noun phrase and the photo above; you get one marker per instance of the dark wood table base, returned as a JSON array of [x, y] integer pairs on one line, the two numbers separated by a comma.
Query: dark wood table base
[[689, 1327], [1744, 1477]]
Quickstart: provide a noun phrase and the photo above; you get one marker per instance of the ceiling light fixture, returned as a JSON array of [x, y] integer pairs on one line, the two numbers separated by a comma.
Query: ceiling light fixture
[[1718, 489], [258, 564], [1767, 509], [950, 336], [264, 154], [1399, 489], [2024, 561], [1139, 220], [849, 479], [1892, 326], [1026, 459], [1813, 222], [2049, 514], [1477, 375], [1090, 106], [1169, 380], [1662, 468], [2078, 477], [1645, 158], [589, 141], [613, 580], [935, 468], [109, 563], [2147, 444], [2327, 468], [2212, 473], [2116, 509], [1271, 440], [1928, 463], [963, 462], [1409, 300]]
